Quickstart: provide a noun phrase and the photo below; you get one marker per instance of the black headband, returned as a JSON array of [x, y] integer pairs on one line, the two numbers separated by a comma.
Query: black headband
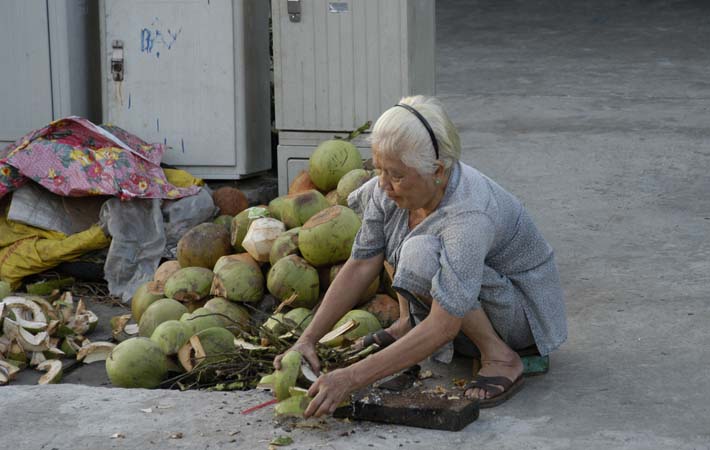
[[426, 125]]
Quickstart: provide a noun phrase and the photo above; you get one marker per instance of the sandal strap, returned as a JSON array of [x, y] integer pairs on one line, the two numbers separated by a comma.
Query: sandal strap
[[493, 385]]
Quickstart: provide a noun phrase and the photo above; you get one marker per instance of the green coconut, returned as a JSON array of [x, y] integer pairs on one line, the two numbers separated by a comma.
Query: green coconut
[[282, 380], [238, 281], [171, 335], [145, 295], [208, 347], [240, 225], [275, 207], [137, 363], [233, 317], [298, 318], [225, 220], [369, 292], [330, 161], [327, 238], [284, 245], [165, 270], [298, 208], [4, 289], [189, 284], [160, 311], [203, 245], [200, 319], [292, 274], [332, 197], [351, 181], [367, 323], [275, 325], [244, 257]]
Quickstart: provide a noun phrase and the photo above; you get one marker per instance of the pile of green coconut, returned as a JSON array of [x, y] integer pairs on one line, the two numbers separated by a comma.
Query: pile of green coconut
[[245, 286]]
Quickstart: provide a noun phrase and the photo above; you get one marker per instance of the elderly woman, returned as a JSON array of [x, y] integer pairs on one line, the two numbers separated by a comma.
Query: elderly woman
[[470, 265]]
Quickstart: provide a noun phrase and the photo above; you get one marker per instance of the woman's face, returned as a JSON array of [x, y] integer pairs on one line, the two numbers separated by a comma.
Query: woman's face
[[403, 184]]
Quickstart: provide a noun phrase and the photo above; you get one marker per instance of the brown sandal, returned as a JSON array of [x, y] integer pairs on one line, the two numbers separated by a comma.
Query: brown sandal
[[501, 388]]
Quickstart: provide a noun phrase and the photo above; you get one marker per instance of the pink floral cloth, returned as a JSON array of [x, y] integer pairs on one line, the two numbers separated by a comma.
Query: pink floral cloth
[[73, 157]]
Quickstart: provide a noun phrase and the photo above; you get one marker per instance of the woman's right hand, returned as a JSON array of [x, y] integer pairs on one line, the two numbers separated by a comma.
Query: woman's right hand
[[307, 349]]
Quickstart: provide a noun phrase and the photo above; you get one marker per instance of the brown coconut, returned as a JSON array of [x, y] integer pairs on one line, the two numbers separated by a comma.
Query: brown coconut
[[203, 245], [384, 307], [301, 183], [230, 201]]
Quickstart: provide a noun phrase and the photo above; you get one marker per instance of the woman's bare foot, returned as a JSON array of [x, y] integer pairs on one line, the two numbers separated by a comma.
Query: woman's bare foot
[[507, 364]]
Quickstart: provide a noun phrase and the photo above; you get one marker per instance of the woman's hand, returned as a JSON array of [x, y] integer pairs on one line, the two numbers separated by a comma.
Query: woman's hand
[[307, 349], [329, 391]]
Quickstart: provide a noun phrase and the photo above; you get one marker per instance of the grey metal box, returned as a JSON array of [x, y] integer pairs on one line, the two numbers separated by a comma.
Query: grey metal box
[[338, 64], [48, 57], [193, 75]]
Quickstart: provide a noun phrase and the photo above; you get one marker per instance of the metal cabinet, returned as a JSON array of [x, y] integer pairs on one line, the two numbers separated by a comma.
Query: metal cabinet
[[193, 75], [338, 64], [49, 70]]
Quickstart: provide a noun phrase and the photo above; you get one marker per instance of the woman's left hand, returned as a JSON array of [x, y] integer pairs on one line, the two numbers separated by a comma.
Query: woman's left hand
[[329, 391]]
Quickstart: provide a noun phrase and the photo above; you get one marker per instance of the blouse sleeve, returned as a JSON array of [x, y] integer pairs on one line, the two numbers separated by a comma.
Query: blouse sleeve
[[465, 241], [370, 240]]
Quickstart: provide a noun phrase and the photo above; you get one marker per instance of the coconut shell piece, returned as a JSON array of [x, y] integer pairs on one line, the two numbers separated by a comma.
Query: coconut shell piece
[[96, 351], [53, 367]]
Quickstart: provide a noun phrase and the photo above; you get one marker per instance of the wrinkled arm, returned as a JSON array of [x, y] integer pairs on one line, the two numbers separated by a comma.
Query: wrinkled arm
[[332, 388]]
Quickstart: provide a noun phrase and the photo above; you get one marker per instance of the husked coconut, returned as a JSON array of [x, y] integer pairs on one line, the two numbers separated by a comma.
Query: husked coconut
[[298, 208], [261, 236], [230, 200], [137, 363], [330, 161], [293, 275], [301, 183], [203, 245], [327, 238], [239, 281], [284, 245], [189, 284], [241, 222], [163, 272]]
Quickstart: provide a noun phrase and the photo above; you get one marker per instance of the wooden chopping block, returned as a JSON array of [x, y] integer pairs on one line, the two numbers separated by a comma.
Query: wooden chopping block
[[412, 408]]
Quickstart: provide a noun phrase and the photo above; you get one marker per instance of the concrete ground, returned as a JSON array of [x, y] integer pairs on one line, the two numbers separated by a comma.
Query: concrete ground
[[596, 115]]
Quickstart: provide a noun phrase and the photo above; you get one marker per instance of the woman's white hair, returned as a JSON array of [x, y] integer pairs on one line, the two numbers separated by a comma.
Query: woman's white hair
[[398, 132]]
